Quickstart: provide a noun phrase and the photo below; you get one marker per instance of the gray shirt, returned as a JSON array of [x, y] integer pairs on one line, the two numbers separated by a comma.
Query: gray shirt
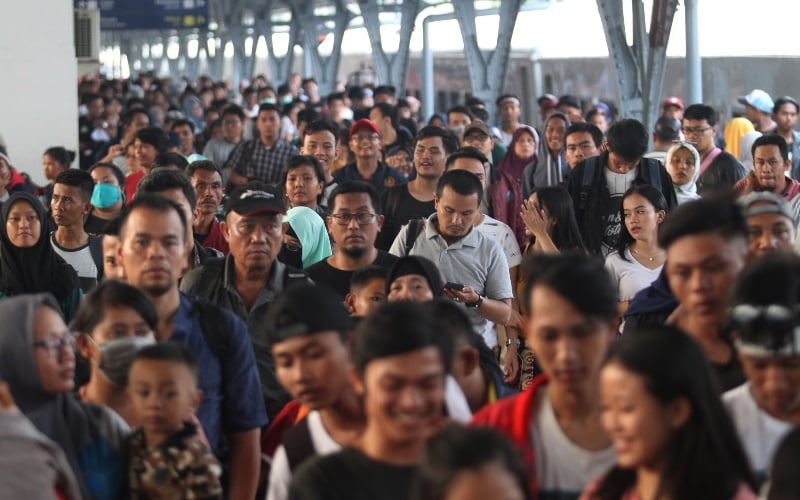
[[218, 150]]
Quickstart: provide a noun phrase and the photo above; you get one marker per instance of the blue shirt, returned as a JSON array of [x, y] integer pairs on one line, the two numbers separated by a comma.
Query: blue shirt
[[232, 399], [383, 178]]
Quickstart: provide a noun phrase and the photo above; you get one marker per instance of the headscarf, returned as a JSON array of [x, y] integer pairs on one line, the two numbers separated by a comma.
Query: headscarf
[[188, 110], [688, 191], [734, 131], [35, 269], [511, 162], [746, 149], [60, 417], [414, 264], [310, 230], [549, 169]]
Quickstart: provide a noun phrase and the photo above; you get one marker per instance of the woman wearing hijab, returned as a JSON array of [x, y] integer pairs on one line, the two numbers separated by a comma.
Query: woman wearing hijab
[[306, 238], [734, 131], [28, 262], [746, 149], [38, 363], [682, 163], [506, 191]]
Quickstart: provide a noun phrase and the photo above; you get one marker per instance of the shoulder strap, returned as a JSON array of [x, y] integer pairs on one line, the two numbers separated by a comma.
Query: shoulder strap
[[298, 445], [415, 226], [212, 322], [589, 169], [96, 250]]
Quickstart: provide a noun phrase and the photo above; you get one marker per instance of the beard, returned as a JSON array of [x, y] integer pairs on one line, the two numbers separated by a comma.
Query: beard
[[156, 291], [355, 252]]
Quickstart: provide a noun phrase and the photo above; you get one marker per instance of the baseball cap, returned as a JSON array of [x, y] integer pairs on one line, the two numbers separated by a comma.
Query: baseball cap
[[759, 100], [763, 202], [547, 101], [254, 199], [364, 123], [289, 316], [480, 126], [672, 101]]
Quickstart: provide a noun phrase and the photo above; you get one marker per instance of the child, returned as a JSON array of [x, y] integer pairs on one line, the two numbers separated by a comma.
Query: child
[[366, 290], [167, 458]]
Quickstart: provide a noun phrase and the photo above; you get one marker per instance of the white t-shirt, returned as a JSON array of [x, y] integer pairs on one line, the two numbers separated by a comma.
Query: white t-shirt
[[630, 276], [759, 432], [499, 231], [81, 261], [280, 475], [563, 469]]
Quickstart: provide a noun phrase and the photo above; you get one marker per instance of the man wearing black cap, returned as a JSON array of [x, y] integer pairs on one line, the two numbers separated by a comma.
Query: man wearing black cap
[[767, 338], [313, 364], [666, 133], [785, 115], [249, 278], [365, 143]]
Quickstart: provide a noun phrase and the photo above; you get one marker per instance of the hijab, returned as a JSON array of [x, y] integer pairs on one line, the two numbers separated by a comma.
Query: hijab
[[688, 191], [746, 149], [60, 417], [35, 269], [310, 230], [513, 164], [734, 131]]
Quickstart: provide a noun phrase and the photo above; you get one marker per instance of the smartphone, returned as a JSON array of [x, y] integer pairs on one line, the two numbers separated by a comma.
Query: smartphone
[[454, 286]]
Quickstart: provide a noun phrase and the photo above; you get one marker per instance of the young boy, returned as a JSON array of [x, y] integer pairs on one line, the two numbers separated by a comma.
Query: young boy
[[366, 290], [167, 458]]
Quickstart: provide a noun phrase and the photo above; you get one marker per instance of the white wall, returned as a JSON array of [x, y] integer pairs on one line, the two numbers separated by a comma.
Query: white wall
[[38, 81]]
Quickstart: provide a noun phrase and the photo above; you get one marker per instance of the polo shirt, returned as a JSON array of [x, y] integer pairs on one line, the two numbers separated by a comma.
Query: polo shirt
[[474, 260], [231, 390], [383, 178]]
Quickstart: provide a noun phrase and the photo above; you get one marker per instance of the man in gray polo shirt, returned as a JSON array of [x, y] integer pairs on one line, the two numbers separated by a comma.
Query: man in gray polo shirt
[[463, 255]]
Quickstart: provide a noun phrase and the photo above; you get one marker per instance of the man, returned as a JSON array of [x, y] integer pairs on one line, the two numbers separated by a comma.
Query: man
[[175, 185], [582, 140], [218, 150], [672, 107], [771, 167], [770, 223], [785, 115], [597, 185], [152, 251], [548, 104], [185, 131], [88, 145], [206, 179], [384, 115], [312, 356], [361, 100], [719, 170], [414, 200], [173, 161], [479, 136], [365, 143], [338, 111], [149, 143], [508, 107], [321, 140], [758, 109], [385, 94], [555, 423], [666, 133], [400, 361], [72, 191], [354, 223], [250, 277], [261, 158], [458, 119], [572, 107], [767, 406], [463, 254], [132, 121]]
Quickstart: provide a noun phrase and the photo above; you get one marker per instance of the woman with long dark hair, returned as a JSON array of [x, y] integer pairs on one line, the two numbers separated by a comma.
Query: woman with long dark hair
[[673, 437]]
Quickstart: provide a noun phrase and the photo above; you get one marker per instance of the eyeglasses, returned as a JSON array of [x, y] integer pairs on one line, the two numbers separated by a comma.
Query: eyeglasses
[[695, 131], [54, 345], [362, 218]]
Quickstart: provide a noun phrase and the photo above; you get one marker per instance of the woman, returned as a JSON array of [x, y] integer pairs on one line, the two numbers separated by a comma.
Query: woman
[[413, 278], [746, 149], [637, 260], [28, 263], [113, 323], [54, 161], [38, 363], [506, 191], [683, 162], [305, 240], [673, 438], [108, 196], [303, 183], [734, 131]]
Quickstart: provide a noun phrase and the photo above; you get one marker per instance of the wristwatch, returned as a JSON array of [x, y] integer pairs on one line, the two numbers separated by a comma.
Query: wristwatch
[[510, 341], [476, 304]]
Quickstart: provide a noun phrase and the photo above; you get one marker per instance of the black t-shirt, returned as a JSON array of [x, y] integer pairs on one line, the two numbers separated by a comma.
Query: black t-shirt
[[399, 207], [94, 224], [324, 273], [351, 475]]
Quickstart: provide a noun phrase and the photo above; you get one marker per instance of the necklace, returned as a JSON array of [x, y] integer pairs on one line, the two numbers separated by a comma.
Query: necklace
[[649, 259]]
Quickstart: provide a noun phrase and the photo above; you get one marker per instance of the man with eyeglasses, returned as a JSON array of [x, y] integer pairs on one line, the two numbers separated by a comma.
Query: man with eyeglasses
[[583, 140], [365, 143], [719, 170], [250, 277], [218, 150], [354, 223]]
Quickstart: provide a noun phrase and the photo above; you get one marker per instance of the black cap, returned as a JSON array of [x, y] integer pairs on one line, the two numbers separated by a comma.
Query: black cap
[[570, 100], [414, 264], [253, 199], [305, 309]]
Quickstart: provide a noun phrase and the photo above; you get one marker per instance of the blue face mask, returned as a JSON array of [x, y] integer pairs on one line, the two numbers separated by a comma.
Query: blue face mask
[[105, 195]]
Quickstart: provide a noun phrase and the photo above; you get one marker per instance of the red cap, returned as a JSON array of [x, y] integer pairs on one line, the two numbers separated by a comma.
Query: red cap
[[672, 101], [362, 123]]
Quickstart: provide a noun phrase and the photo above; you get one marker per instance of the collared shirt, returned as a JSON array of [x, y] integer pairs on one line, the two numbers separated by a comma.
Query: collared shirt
[[254, 160], [231, 388], [475, 260], [383, 178]]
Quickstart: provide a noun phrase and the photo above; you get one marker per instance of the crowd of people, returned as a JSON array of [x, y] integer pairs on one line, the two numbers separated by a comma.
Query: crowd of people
[[275, 294]]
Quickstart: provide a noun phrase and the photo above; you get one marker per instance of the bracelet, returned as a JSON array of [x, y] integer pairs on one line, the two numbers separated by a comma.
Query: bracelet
[[510, 341]]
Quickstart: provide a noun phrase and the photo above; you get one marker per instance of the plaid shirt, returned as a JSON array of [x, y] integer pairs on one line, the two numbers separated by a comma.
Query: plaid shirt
[[257, 162]]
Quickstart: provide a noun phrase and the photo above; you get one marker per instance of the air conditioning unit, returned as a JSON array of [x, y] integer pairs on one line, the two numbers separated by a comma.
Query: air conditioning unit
[[87, 35]]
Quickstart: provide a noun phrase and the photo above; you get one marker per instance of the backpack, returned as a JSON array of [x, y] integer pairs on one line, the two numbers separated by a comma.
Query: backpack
[[590, 170], [415, 227], [297, 444]]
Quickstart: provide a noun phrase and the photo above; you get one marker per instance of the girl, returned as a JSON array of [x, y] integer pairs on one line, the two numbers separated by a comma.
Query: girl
[[637, 260], [683, 164], [673, 438], [306, 240]]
